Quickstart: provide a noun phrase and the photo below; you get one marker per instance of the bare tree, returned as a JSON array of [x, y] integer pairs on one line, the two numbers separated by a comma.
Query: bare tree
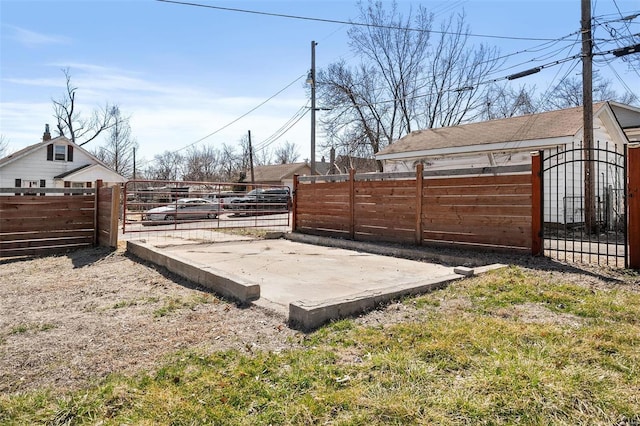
[[504, 101], [286, 153], [568, 93], [355, 122], [232, 164], [451, 93], [405, 81], [262, 156], [4, 145], [202, 164], [71, 124], [118, 151], [166, 166]]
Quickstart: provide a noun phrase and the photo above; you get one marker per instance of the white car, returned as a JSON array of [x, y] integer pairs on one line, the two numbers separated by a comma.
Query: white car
[[184, 208]]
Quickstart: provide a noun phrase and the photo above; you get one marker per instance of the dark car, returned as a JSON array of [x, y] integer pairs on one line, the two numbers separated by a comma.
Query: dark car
[[262, 199]]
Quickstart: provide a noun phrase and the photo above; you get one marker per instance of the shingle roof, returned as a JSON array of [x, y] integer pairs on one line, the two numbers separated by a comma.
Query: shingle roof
[[546, 125], [28, 149], [70, 172], [275, 173]]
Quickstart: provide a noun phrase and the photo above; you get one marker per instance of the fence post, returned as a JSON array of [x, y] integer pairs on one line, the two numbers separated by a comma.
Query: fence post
[[115, 215], [294, 205], [352, 203], [633, 204], [96, 210], [536, 204], [419, 195]]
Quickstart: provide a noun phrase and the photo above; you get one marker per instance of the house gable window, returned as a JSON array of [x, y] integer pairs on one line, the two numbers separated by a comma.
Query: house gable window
[[59, 152]]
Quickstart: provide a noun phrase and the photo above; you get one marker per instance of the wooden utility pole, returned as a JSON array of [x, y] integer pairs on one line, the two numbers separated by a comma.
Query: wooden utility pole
[[587, 117], [313, 107], [253, 179]]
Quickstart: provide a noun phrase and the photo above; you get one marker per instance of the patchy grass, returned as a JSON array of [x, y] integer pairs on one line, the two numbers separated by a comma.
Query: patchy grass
[[173, 304], [25, 328], [509, 347], [259, 233]]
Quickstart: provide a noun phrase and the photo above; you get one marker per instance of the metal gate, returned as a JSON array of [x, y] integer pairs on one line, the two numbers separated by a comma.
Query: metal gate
[[203, 210], [584, 204]]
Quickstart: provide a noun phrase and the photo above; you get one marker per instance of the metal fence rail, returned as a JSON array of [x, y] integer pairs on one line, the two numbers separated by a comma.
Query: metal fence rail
[[151, 206]]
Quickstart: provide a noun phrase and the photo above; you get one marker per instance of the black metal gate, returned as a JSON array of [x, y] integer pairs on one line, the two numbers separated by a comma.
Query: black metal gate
[[584, 205]]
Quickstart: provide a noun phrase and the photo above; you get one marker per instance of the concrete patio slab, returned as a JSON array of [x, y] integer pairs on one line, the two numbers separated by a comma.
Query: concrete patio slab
[[307, 284]]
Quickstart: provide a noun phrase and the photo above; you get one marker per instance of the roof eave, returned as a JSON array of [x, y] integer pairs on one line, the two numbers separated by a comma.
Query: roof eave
[[87, 168], [471, 149]]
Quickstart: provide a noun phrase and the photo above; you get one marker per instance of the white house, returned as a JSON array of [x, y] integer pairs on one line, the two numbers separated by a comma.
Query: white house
[[54, 163], [510, 141]]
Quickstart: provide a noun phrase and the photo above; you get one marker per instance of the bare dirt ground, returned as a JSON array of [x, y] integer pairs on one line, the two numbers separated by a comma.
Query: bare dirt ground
[[69, 320]]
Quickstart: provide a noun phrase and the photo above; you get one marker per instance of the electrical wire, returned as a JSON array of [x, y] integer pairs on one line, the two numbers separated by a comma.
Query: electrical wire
[[273, 138], [627, 88], [242, 116], [284, 128], [494, 80], [336, 21], [423, 82], [233, 121]]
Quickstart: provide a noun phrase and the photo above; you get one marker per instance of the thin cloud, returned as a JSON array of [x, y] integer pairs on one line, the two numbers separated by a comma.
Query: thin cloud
[[33, 39]]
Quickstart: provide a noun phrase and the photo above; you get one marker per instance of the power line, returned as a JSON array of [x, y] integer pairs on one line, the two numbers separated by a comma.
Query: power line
[[423, 82], [284, 128], [271, 139], [336, 21], [540, 67], [242, 116], [235, 120]]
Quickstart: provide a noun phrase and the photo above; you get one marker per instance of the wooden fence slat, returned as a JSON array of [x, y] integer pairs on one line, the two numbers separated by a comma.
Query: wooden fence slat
[[31, 235], [480, 210], [40, 214], [485, 200], [478, 220], [481, 181], [523, 241], [87, 238], [479, 190], [48, 250]]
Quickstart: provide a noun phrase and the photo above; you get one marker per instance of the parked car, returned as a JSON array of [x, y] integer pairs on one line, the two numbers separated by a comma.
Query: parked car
[[223, 198], [262, 199], [184, 208]]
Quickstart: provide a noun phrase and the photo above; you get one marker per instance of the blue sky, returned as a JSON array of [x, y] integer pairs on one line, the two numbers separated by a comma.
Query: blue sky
[[184, 72]]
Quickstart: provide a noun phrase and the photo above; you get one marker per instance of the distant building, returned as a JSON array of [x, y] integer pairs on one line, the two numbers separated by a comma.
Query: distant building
[[343, 163], [278, 174], [508, 141], [54, 163]]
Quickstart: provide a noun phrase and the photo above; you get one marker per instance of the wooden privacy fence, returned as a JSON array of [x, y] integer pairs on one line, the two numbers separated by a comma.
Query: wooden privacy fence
[[483, 209], [63, 219]]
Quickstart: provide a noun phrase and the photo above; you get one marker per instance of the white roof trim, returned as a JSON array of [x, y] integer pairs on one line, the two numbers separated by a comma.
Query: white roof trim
[[56, 140], [624, 106], [468, 149], [617, 129], [116, 177]]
